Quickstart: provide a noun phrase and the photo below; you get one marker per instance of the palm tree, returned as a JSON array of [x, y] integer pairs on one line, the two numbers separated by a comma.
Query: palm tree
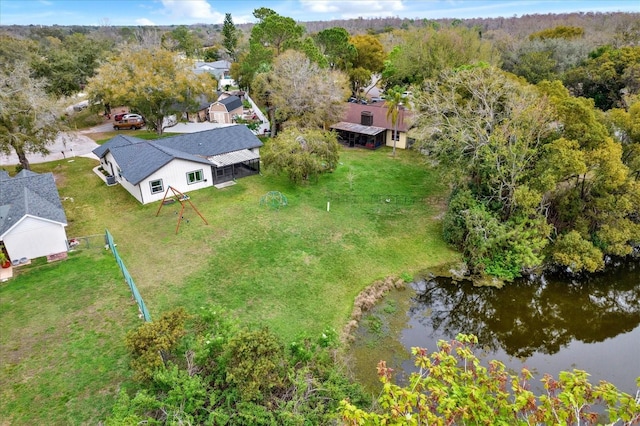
[[394, 99]]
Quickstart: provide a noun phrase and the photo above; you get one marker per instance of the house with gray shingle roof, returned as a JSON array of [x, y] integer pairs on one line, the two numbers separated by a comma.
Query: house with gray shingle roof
[[221, 70], [186, 162], [32, 219]]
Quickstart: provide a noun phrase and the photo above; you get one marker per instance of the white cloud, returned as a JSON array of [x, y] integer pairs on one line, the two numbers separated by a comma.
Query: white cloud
[[199, 11], [144, 21], [354, 8]]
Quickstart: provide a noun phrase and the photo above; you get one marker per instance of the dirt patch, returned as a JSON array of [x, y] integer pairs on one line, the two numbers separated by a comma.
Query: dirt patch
[[100, 135], [60, 179]]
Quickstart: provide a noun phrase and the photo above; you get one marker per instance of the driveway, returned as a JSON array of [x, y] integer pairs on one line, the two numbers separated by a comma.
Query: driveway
[[66, 145]]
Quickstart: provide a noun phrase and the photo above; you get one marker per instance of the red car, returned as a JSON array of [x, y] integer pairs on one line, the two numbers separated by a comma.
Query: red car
[[119, 117]]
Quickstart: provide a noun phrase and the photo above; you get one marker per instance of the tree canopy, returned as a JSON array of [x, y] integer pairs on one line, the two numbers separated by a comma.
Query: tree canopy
[[182, 39], [606, 76], [425, 52], [452, 386], [302, 155], [204, 368], [335, 45], [276, 32], [299, 93], [528, 165], [154, 82], [30, 119]]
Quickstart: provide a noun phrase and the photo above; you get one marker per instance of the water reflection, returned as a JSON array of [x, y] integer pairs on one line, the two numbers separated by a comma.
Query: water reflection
[[546, 325], [530, 316]]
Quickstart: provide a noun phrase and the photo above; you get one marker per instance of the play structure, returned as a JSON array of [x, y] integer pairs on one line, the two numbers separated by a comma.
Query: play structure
[[181, 198], [274, 200]]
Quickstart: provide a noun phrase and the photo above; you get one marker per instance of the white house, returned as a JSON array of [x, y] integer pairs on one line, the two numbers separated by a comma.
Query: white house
[[32, 219], [185, 162], [221, 70]]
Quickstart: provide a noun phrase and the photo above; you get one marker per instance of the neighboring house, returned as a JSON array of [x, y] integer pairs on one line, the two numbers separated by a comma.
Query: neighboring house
[[32, 220], [199, 111], [368, 126], [221, 70], [185, 162], [225, 109]]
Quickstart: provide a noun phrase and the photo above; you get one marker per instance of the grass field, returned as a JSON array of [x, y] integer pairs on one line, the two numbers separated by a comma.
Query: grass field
[[296, 269]]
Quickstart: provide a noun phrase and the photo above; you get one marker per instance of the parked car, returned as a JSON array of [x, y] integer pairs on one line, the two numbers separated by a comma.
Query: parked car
[[354, 100], [81, 105], [119, 117], [377, 99], [133, 123], [133, 116]]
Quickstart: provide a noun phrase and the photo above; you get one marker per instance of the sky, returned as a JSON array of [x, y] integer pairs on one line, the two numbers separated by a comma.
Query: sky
[[186, 12]]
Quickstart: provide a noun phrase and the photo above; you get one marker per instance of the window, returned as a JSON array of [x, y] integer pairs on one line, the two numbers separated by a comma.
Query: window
[[395, 136], [156, 186], [194, 176]]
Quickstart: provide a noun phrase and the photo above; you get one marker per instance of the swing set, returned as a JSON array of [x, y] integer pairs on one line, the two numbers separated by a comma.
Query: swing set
[[181, 198]]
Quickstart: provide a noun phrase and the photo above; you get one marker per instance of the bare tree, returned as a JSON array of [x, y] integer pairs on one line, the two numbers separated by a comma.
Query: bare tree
[[301, 93]]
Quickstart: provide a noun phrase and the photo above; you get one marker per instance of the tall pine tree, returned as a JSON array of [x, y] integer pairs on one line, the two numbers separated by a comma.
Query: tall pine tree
[[230, 33]]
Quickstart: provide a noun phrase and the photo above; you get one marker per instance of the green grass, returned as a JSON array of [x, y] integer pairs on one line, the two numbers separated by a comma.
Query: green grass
[[62, 341], [84, 118], [296, 270]]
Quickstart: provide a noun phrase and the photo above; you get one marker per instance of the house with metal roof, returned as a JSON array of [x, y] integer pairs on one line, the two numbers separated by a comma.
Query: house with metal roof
[[32, 219], [186, 162], [368, 126]]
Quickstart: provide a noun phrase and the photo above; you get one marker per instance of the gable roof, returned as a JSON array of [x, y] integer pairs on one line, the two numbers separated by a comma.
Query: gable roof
[[379, 113], [138, 158], [29, 193], [216, 68], [230, 103], [221, 64], [213, 142], [139, 161], [115, 142]]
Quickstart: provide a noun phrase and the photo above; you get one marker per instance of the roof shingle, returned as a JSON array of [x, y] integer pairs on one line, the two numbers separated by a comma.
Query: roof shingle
[[29, 193]]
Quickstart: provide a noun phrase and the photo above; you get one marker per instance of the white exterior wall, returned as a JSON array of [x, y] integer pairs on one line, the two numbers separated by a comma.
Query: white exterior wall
[[174, 174], [34, 237], [132, 189], [401, 143]]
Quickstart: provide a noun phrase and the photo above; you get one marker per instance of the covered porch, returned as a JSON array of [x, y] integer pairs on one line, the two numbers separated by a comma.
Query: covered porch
[[234, 165], [358, 135]]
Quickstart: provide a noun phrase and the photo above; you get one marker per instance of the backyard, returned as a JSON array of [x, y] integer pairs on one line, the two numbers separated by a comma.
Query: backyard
[[295, 269]]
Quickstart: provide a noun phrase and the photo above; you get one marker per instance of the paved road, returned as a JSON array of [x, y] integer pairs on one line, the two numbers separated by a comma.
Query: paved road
[[66, 145]]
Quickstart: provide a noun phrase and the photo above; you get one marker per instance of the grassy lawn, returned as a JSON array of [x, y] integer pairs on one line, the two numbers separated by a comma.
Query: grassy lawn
[[296, 270], [62, 341]]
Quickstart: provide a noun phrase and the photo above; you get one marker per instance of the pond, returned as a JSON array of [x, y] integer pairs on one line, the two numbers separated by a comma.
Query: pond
[[547, 325]]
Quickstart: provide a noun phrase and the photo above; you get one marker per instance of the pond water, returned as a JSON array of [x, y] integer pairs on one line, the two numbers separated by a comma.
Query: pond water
[[547, 325]]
